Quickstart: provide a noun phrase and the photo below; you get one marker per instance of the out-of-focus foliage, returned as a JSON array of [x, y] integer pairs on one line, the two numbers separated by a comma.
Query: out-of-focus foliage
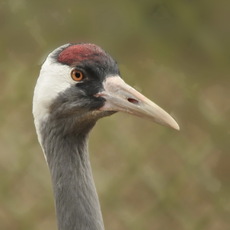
[[147, 176]]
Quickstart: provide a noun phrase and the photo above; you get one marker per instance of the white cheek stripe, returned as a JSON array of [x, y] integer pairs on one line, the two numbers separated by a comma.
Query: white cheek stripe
[[53, 79]]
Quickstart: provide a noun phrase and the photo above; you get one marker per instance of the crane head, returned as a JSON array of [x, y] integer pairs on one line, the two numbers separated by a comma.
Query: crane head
[[82, 82]]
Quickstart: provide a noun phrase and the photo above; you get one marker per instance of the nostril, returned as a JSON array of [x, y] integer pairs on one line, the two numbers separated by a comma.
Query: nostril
[[133, 101]]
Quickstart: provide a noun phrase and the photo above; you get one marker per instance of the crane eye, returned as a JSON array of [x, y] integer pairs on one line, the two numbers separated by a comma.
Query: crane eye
[[77, 75]]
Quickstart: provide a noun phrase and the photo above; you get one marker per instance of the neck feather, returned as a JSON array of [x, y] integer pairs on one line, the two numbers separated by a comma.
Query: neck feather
[[77, 204]]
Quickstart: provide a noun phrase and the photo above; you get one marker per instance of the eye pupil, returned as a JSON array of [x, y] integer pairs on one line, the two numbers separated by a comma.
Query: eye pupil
[[77, 75]]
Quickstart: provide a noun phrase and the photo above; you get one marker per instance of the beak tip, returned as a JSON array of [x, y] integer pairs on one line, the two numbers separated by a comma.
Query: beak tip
[[174, 125], [177, 127], [167, 120]]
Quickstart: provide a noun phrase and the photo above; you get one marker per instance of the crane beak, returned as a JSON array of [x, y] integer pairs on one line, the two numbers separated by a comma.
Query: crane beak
[[120, 96]]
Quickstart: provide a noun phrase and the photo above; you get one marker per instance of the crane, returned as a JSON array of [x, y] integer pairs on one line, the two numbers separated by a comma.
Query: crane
[[78, 84]]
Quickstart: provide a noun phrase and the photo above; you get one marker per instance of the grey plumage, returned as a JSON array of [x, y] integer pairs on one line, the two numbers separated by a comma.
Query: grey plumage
[[64, 139], [77, 202]]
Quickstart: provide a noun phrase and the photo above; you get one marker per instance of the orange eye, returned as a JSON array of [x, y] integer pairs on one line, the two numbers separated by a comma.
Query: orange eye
[[77, 75]]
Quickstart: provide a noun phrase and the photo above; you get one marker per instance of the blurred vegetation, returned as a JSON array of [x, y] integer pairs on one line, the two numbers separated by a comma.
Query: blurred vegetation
[[147, 176]]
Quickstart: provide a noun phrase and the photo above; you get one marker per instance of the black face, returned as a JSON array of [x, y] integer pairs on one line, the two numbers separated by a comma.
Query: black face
[[92, 66], [94, 73]]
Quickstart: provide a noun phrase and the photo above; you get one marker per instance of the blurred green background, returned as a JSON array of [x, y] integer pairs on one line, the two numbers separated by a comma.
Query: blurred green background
[[148, 177]]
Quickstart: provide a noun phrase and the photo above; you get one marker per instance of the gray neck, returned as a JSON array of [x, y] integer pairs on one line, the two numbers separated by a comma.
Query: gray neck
[[77, 204]]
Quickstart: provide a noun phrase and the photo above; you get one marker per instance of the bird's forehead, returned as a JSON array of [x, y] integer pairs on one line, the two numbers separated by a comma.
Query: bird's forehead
[[80, 52]]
